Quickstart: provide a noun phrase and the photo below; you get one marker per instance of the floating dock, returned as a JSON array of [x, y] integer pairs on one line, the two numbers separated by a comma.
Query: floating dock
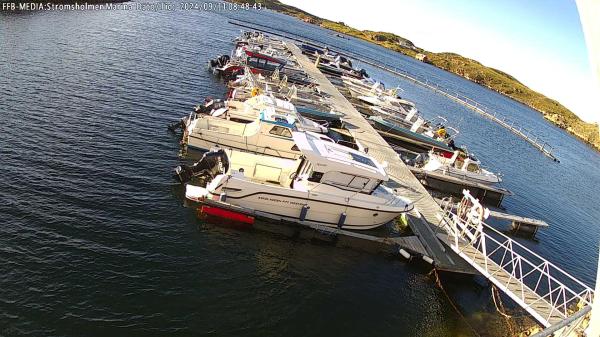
[[424, 223], [524, 133]]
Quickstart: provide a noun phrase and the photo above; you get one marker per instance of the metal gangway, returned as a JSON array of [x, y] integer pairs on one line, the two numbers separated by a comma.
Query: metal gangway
[[548, 293]]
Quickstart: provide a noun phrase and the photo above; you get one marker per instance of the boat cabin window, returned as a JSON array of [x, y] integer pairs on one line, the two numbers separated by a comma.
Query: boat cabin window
[[472, 167], [315, 177], [281, 131], [253, 62], [349, 181], [270, 65], [280, 119], [362, 159], [406, 106], [256, 62], [239, 120], [459, 163]]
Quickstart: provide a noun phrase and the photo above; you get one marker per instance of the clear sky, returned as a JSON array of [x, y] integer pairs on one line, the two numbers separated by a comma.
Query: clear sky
[[540, 42]]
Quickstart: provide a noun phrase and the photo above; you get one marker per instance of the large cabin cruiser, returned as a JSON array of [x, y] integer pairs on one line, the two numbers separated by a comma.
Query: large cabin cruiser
[[459, 165], [329, 184]]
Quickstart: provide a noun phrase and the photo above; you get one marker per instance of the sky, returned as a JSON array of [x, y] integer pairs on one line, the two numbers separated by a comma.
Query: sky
[[539, 42]]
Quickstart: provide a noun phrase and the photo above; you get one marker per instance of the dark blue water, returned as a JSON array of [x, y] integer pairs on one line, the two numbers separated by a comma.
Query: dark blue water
[[94, 237]]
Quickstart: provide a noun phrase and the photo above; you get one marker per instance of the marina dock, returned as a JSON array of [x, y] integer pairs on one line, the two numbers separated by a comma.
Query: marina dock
[[526, 134], [451, 237], [424, 223]]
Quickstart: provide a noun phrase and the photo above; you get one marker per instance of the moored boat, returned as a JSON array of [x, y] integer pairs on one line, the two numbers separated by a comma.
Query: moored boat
[[412, 139], [330, 184], [460, 165]]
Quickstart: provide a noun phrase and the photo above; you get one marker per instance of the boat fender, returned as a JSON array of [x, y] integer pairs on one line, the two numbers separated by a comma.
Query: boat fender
[[303, 212], [341, 220], [427, 259], [405, 254]]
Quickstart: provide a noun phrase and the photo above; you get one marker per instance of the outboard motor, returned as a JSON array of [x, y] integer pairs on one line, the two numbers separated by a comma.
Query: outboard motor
[[219, 61], [180, 124], [420, 160], [209, 106], [211, 164]]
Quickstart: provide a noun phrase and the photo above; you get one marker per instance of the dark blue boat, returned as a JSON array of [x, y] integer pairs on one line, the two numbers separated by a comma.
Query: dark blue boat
[[404, 137], [319, 115]]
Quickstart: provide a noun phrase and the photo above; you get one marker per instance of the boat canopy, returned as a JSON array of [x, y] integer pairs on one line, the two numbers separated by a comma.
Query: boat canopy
[[331, 157], [250, 53], [268, 114]]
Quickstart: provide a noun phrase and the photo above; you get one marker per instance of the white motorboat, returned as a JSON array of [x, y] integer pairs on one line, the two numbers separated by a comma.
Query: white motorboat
[[362, 87], [460, 165], [248, 110], [329, 184], [270, 132], [389, 103]]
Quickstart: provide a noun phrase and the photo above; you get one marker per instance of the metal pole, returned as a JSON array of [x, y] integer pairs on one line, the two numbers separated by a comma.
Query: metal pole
[[564, 323], [593, 329]]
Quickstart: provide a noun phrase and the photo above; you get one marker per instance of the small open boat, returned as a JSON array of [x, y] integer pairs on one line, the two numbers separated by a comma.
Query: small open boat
[[460, 165], [409, 138]]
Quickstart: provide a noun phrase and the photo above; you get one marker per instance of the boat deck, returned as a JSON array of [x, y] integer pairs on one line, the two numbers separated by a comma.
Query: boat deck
[[425, 223], [487, 194]]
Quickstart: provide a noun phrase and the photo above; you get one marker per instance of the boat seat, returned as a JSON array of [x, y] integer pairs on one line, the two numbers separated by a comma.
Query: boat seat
[[267, 173]]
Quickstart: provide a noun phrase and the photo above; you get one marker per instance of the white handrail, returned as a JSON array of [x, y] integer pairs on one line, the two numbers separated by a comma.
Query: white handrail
[[525, 269]]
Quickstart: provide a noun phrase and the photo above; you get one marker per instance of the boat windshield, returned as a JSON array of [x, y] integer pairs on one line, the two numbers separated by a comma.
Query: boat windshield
[[362, 159], [472, 167]]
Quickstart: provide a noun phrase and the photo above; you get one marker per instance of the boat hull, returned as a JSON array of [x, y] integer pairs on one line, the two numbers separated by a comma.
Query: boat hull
[[299, 206], [409, 139]]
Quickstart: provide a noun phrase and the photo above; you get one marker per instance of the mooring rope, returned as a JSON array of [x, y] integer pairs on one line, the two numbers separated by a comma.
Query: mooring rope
[[502, 311], [439, 284]]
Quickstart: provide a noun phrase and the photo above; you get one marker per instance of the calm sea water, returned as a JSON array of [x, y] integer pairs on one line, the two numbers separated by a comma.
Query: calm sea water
[[95, 240]]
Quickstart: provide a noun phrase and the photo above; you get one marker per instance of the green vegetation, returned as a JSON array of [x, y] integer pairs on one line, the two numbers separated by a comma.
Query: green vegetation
[[472, 70]]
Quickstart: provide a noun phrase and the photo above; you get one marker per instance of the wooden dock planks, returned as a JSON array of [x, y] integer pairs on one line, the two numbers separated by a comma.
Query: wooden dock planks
[[536, 304]]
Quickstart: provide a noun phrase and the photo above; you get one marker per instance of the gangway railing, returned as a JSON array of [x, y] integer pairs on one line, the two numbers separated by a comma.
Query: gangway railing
[[544, 290]]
